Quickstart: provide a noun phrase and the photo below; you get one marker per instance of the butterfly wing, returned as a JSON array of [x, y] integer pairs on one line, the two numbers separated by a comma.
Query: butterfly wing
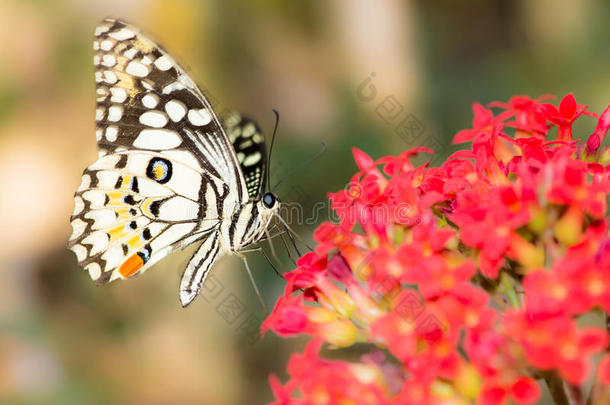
[[249, 145], [166, 169], [147, 102], [132, 209]]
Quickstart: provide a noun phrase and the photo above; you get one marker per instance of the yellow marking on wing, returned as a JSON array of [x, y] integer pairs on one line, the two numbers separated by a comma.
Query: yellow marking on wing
[[158, 171], [126, 182], [145, 206], [117, 233], [126, 81], [121, 63], [116, 198], [123, 214], [135, 243], [143, 44]]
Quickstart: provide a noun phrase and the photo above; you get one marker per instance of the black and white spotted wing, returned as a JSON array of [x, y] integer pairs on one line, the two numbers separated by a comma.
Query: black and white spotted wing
[[249, 144], [167, 173]]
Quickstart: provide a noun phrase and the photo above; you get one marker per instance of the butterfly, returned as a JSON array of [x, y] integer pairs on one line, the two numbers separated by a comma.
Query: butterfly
[[169, 174]]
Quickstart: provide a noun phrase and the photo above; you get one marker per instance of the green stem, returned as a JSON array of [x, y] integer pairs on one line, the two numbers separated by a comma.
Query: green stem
[[562, 392], [507, 287]]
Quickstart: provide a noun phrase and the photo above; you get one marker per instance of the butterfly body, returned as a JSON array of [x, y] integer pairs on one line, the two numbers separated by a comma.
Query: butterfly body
[[169, 172]]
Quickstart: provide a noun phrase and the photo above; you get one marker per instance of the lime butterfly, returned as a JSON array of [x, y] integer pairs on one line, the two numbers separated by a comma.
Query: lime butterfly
[[169, 173]]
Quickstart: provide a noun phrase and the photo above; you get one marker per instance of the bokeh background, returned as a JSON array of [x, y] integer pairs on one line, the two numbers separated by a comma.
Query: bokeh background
[[379, 75]]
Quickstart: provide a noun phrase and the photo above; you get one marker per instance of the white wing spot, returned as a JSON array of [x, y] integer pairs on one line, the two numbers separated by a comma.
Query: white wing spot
[[79, 205], [112, 133], [113, 257], [96, 45], [84, 182], [101, 29], [248, 130], [99, 114], [155, 119], [175, 109], [106, 45], [109, 60], [98, 134], [80, 251], [199, 117], [95, 197], [101, 218], [137, 69], [78, 228], [146, 60], [122, 34], [147, 85], [157, 139], [99, 240], [98, 77], [94, 270], [110, 77], [115, 113], [96, 60], [163, 63], [118, 94], [130, 53], [173, 87], [150, 101], [252, 159], [102, 91]]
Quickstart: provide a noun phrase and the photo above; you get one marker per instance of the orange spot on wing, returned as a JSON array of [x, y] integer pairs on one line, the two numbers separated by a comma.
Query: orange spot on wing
[[131, 266]]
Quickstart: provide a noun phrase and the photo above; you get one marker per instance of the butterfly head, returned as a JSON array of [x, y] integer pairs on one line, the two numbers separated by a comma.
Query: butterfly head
[[270, 201]]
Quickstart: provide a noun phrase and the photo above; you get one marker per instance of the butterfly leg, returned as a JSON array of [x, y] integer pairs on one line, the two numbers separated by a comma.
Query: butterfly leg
[[197, 269], [258, 293]]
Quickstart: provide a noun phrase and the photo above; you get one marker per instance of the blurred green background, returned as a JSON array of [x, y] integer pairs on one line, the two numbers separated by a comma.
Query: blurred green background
[[379, 75]]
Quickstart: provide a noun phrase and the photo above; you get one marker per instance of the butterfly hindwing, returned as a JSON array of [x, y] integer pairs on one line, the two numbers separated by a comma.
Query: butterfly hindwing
[[249, 144], [132, 209]]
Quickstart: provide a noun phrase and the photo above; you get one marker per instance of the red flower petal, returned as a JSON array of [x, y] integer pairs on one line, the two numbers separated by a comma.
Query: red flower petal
[[568, 106], [525, 391], [364, 161]]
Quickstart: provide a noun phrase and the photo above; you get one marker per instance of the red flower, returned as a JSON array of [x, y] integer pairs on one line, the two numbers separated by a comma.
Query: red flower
[[529, 119], [596, 138], [564, 116], [471, 276], [483, 122], [556, 342]]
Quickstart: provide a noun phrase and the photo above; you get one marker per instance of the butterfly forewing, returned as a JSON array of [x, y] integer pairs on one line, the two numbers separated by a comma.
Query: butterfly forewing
[[166, 166]]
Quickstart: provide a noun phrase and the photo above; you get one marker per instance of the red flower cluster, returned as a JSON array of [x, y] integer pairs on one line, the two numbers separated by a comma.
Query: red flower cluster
[[473, 282]]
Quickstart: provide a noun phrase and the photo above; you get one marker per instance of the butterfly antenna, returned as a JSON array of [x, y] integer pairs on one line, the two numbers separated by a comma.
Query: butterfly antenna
[[307, 162], [277, 122]]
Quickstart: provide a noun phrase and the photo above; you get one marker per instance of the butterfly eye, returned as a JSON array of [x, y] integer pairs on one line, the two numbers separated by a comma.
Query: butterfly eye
[[269, 200]]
